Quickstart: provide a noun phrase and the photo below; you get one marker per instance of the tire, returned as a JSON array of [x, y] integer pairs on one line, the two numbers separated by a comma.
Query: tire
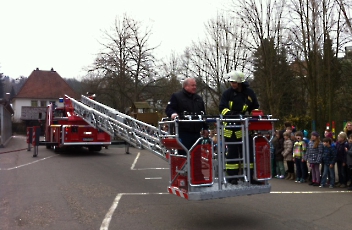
[[98, 148], [48, 146], [56, 149], [94, 148]]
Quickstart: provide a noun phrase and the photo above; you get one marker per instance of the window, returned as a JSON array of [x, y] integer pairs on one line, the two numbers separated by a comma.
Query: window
[[42, 103], [58, 113], [34, 103], [53, 102]]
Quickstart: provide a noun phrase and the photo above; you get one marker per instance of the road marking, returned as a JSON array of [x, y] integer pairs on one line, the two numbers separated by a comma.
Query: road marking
[[28, 163], [107, 219], [308, 192], [153, 178], [106, 222], [135, 162], [149, 168]]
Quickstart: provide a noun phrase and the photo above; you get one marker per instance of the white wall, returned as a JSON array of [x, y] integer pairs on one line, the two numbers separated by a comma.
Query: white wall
[[17, 104]]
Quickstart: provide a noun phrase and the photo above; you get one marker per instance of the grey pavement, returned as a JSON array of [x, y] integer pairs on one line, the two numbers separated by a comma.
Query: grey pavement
[[15, 143]]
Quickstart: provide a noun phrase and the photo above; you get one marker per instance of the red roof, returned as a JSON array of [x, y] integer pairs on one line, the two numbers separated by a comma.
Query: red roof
[[45, 84]]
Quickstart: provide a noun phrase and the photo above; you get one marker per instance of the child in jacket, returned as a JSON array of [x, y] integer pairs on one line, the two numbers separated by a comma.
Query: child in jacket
[[279, 159], [299, 151], [341, 145], [349, 158], [288, 157], [314, 155], [329, 158]]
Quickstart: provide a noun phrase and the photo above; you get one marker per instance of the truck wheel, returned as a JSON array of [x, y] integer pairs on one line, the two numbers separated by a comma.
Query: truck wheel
[[94, 148], [56, 149], [97, 148], [48, 146]]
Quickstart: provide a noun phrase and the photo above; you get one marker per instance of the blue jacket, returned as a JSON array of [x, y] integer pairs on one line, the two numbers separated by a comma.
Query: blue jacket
[[314, 155], [329, 155]]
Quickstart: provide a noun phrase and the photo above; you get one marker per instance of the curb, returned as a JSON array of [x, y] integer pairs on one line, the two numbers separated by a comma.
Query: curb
[[17, 150]]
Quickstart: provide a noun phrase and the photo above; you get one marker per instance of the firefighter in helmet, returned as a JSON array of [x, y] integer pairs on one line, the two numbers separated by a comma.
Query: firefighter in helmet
[[239, 99]]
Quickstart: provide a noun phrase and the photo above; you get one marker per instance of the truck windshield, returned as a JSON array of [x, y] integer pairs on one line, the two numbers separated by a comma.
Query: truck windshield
[[58, 113]]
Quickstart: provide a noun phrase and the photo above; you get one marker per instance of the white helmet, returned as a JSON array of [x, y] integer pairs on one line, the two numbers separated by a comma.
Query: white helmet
[[236, 76]]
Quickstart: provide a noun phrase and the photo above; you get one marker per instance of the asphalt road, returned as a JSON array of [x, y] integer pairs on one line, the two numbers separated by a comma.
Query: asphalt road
[[113, 190]]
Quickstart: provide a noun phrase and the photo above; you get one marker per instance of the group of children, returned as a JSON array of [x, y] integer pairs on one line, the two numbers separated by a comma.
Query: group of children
[[319, 157]]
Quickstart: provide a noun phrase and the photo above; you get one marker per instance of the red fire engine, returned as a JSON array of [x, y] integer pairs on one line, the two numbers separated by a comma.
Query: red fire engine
[[64, 128]]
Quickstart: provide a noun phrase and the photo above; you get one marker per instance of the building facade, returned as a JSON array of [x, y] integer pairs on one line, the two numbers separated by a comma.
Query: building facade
[[41, 88]]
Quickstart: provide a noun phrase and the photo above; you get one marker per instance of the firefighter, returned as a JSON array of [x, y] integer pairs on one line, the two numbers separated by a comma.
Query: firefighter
[[239, 99]]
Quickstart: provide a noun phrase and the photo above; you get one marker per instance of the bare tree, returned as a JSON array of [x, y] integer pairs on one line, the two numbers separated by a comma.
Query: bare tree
[[210, 59], [263, 20], [127, 63], [317, 37]]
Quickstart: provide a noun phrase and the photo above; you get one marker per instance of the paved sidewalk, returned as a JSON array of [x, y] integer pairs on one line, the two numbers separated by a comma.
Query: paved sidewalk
[[15, 143]]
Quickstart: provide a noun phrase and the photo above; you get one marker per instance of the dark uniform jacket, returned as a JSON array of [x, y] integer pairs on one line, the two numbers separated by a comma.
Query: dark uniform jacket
[[239, 99], [341, 152], [184, 101], [280, 147], [349, 156]]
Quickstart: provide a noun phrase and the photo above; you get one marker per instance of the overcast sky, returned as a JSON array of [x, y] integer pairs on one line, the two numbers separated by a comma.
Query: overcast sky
[[64, 34]]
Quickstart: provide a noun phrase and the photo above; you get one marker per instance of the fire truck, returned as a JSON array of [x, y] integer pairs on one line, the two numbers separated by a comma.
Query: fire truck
[[64, 129], [204, 158]]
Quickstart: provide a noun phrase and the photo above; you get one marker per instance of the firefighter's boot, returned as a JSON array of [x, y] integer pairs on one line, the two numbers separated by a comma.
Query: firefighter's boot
[[232, 172]]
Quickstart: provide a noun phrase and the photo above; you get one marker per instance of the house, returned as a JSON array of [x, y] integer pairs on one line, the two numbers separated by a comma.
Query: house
[[41, 88], [143, 111]]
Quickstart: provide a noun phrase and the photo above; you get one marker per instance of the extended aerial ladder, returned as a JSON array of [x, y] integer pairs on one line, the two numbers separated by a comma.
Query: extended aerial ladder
[[200, 175]]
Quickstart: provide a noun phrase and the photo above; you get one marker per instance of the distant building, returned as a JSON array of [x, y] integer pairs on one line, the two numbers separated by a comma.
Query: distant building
[[143, 111], [41, 88]]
